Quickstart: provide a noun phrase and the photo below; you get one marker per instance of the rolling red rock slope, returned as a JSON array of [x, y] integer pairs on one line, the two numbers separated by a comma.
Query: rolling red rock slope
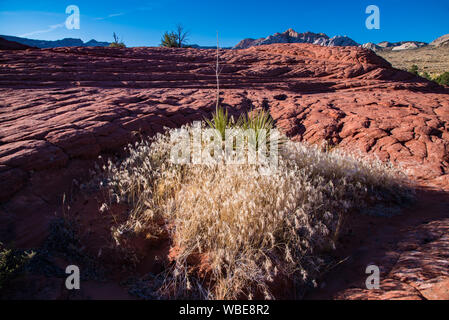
[[61, 108]]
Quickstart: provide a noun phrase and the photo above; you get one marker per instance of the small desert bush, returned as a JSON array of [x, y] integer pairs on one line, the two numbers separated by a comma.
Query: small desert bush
[[175, 39], [12, 262], [426, 75], [248, 229], [443, 79], [117, 43], [414, 69], [169, 40]]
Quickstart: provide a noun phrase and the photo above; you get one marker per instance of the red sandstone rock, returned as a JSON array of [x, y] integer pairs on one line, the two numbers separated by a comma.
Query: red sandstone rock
[[420, 272]]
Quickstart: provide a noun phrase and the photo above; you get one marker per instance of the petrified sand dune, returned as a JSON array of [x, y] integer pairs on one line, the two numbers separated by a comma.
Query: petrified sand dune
[[61, 108], [274, 66], [67, 103]]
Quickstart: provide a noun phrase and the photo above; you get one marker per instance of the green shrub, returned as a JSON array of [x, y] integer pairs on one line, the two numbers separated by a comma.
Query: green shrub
[[221, 121], [175, 39], [414, 69], [426, 75], [257, 121], [117, 43], [169, 40], [12, 263], [443, 79]]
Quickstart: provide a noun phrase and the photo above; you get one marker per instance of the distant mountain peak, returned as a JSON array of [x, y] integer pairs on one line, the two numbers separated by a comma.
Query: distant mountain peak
[[66, 42], [441, 41], [291, 36]]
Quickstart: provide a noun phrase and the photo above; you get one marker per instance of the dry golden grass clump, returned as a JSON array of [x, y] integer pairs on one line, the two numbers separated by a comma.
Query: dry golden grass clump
[[250, 228]]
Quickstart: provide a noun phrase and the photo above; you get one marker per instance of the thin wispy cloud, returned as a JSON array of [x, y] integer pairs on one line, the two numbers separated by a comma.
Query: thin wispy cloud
[[49, 29], [116, 14], [123, 13], [111, 15]]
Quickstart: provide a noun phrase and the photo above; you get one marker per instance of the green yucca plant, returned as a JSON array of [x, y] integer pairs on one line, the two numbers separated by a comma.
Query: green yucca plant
[[258, 120], [221, 121]]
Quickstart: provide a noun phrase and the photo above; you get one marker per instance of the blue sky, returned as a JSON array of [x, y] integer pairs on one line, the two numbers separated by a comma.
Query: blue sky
[[141, 23]]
